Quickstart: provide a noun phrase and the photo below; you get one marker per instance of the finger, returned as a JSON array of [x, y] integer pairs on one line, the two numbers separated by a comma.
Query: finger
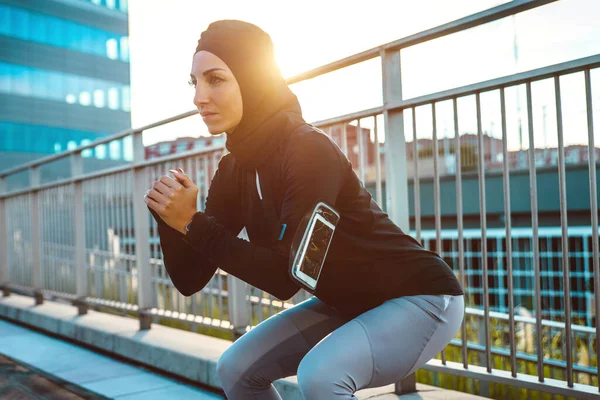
[[170, 182], [183, 178], [162, 188], [152, 204], [176, 175], [158, 197]]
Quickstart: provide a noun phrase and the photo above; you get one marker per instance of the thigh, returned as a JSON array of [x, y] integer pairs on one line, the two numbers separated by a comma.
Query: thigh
[[382, 345], [274, 348]]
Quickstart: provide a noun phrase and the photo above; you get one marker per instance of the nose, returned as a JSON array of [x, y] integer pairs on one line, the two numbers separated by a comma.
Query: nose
[[200, 97]]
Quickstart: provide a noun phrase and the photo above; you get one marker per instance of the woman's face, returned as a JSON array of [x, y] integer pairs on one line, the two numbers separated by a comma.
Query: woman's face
[[218, 96]]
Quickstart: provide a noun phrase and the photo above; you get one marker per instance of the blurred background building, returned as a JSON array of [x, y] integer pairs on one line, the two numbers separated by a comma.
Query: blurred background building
[[64, 78]]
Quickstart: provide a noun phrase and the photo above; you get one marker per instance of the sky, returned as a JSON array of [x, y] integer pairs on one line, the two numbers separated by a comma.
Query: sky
[[307, 34]]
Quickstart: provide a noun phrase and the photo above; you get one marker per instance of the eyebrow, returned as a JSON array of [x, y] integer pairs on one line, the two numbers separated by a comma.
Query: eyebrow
[[208, 71]]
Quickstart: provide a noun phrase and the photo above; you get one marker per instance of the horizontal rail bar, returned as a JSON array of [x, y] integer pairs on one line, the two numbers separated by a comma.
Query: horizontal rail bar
[[525, 381], [470, 21], [529, 320], [97, 142], [371, 112], [499, 351], [113, 171], [565, 68]]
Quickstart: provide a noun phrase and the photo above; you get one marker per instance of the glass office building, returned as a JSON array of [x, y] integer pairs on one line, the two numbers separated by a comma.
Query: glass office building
[[64, 76]]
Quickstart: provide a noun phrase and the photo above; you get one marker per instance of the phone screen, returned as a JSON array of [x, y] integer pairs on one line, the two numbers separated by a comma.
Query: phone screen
[[316, 250]]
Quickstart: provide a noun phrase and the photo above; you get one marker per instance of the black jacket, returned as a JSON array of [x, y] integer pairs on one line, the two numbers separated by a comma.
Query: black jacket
[[370, 259]]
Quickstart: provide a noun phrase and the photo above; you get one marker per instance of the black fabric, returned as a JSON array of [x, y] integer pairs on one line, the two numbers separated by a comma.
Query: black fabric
[[271, 110], [370, 259]]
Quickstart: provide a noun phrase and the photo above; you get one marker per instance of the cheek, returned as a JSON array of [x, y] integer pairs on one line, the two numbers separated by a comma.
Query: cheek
[[234, 105]]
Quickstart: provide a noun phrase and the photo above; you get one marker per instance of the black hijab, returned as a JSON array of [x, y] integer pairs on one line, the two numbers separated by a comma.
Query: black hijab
[[271, 111]]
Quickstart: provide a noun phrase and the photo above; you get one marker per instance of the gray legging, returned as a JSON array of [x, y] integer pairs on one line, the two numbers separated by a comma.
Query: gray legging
[[334, 357]]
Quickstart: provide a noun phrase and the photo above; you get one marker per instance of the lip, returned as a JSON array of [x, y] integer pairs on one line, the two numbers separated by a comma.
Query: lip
[[206, 115]]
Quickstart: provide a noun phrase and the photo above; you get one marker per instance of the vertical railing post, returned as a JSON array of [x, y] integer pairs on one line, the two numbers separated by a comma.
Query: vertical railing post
[[395, 161], [395, 143], [142, 230], [36, 281], [3, 240], [238, 306], [79, 229]]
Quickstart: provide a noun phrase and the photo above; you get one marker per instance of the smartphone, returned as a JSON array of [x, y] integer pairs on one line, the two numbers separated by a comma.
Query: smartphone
[[308, 258]]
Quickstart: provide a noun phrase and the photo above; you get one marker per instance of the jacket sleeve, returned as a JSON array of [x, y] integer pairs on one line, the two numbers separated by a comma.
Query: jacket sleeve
[[188, 269], [305, 183]]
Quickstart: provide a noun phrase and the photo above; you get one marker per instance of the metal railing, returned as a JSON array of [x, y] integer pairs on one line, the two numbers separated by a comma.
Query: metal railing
[[90, 238]]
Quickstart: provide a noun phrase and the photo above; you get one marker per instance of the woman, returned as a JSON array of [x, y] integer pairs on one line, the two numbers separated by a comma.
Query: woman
[[383, 305]]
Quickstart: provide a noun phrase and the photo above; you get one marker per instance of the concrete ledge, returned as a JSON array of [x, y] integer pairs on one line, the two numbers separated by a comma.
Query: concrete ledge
[[186, 354]]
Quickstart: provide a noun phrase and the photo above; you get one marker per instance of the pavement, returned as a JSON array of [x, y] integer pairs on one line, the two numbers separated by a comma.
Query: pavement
[[36, 366]]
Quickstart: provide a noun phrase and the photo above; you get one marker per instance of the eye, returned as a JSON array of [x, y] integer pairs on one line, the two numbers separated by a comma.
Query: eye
[[192, 83], [213, 80]]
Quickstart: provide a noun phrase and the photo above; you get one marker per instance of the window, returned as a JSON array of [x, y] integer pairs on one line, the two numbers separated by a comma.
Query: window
[[101, 151], [57, 147], [20, 23], [115, 150], [55, 85], [110, 4], [99, 39], [21, 80], [165, 148], [124, 6], [125, 93], [5, 20], [113, 98], [85, 99], [71, 144], [124, 44], [56, 32], [128, 148], [71, 99], [86, 39], [111, 48], [39, 86], [99, 98], [87, 153], [38, 27], [181, 147]]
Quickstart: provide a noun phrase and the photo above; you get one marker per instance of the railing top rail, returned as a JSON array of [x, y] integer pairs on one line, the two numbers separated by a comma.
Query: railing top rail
[[550, 71], [112, 171], [564, 68], [98, 142], [470, 21]]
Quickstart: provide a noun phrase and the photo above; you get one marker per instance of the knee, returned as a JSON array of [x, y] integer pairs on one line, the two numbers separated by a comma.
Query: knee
[[313, 382], [228, 370]]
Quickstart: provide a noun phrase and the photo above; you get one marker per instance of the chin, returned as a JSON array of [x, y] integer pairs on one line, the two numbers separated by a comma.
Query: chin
[[215, 130]]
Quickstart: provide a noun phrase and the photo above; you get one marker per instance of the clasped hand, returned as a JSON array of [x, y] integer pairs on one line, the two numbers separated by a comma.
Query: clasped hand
[[174, 200]]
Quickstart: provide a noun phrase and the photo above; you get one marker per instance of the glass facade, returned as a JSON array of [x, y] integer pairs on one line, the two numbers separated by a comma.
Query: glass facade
[[31, 138], [73, 89], [65, 87], [45, 29]]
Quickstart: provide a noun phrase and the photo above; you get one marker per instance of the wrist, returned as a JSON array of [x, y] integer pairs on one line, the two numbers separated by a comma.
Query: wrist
[[187, 225]]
